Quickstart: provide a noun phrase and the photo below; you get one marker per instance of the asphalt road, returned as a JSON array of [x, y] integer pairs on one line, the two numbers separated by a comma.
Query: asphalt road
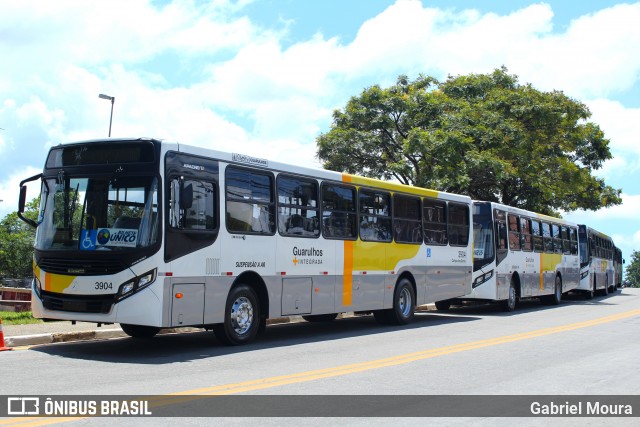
[[577, 348]]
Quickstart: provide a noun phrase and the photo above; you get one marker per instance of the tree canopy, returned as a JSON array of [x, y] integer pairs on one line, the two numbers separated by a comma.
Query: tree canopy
[[16, 243], [483, 135], [632, 274]]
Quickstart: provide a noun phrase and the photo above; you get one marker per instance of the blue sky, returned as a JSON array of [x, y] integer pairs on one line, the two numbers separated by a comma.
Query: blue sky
[[263, 76]]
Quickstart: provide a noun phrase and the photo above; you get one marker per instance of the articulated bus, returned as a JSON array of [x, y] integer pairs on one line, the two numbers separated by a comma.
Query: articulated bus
[[520, 254], [597, 254], [154, 235]]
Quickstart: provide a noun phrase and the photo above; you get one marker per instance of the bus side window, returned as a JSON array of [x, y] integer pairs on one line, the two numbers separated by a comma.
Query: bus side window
[[435, 222], [525, 227], [573, 236], [339, 215], [407, 227], [250, 203], [536, 232], [375, 215], [501, 237], [298, 207], [546, 237], [514, 232], [556, 238], [198, 214], [458, 224]]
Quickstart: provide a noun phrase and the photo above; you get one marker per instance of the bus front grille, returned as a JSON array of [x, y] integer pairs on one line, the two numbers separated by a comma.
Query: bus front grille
[[77, 303], [79, 267]]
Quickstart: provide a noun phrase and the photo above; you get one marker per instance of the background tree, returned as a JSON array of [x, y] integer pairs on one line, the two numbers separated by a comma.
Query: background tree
[[16, 243], [483, 135], [632, 273]]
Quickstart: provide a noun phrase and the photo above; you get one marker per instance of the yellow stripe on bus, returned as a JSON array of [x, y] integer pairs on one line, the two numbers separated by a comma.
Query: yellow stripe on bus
[[347, 274]]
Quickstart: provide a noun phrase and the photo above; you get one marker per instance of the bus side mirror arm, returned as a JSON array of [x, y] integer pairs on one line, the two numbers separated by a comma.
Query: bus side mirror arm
[[23, 199]]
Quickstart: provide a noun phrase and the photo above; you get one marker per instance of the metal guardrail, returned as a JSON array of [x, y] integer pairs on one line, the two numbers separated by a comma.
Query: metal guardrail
[[15, 299], [16, 283]]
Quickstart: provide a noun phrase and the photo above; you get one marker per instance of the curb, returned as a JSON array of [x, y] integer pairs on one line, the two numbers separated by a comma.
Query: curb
[[103, 334]]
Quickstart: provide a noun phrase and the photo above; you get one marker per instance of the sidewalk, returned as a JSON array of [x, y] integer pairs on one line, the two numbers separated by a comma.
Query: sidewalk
[[64, 331], [51, 332]]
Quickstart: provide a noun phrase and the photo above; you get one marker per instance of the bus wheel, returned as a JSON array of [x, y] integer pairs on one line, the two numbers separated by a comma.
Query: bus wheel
[[404, 303], [512, 300], [590, 294], [320, 317], [556, 297], [403, 306], [138, 331], [443, 305], [241, 317]]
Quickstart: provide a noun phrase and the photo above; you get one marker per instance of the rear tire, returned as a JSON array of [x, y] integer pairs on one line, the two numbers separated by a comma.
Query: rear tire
[[139, 331], [314, 318], [404, 304], [605, 291], [241, 318], [556, 297]]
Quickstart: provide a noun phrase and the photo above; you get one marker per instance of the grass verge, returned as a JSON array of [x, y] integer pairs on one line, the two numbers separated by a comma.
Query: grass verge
[[19, 318]]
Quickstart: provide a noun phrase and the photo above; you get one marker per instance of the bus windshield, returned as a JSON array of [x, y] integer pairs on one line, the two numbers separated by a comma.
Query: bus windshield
[[583, 242], [483, 247], [97, 213]]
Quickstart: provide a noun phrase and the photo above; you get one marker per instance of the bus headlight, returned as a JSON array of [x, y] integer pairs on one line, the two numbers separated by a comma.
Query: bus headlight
[[36, 285], [482, 278], [135, 285]]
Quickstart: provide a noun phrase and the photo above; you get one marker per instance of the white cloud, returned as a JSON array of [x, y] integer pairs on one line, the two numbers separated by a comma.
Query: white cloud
[[263, 98], [627, 211], [10, 188]]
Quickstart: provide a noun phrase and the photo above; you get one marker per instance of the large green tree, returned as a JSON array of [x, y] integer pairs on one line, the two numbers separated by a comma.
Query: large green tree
[[632, 274], [484, 135], [16, 243]]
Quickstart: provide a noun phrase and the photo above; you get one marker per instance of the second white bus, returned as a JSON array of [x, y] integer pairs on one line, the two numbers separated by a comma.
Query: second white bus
[[520, 254], [597, 272]]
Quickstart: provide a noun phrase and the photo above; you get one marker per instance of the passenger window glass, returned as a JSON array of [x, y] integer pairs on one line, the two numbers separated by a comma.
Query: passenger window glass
[[196, 211], [339, 214], [458, 226], [435, 222], [525, 227], [298, 207], [514, 235], [407, 227], [546, 237], [375, 216], [250, 206], [536, 236]]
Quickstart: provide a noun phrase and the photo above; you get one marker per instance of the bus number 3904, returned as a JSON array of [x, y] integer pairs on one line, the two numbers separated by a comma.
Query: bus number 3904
[[104, 286]]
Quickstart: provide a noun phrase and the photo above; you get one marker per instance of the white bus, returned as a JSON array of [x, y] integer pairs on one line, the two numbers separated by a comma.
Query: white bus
[[154, 235], [520, 254], [597, 254]]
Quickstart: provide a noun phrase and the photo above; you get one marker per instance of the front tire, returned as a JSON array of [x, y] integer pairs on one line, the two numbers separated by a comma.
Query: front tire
[[139, 331], [590, 294], [241, 318], [512, 300]]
